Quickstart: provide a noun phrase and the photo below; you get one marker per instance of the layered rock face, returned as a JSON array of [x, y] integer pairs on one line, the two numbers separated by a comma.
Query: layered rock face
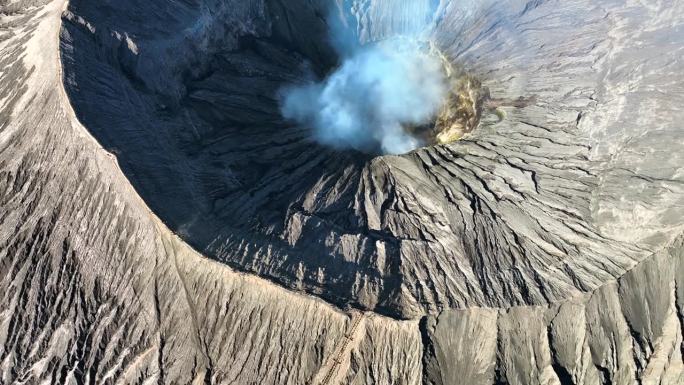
[[160, 222]]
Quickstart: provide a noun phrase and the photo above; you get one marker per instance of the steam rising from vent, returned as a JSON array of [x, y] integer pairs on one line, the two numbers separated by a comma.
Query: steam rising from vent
[[368, 100], [378, 91]]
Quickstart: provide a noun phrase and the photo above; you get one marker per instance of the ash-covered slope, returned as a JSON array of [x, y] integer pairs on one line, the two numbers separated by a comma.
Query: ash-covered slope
[[533, 209], [545, 248]]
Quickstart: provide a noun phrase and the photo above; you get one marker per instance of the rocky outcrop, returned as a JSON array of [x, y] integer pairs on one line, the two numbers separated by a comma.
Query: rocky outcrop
[[542, 248], [627, 331]]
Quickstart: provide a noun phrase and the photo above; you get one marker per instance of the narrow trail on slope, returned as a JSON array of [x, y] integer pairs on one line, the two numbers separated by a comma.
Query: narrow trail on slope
[[342, 352]]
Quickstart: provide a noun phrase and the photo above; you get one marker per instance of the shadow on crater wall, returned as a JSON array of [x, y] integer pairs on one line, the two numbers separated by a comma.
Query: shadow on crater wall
[[194, 121], [186, 98]]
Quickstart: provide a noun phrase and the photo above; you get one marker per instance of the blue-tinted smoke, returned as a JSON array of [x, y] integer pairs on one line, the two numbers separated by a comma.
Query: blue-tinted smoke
[[379, 89]]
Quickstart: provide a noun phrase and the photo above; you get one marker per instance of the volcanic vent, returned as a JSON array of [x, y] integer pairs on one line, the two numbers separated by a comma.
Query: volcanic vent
[[390, 96]]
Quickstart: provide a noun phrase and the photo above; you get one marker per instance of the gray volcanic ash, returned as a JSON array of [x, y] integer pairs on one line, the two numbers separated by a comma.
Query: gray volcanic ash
[[507, 210]]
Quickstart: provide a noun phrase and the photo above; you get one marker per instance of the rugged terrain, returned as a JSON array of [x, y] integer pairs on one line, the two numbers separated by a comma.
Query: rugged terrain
[[161, 222]]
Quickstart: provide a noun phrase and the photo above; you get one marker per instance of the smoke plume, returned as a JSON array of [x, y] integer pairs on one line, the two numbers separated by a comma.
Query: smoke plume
[[379, 89]]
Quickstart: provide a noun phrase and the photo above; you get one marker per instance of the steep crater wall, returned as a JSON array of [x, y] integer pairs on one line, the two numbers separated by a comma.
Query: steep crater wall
[[185, 96]]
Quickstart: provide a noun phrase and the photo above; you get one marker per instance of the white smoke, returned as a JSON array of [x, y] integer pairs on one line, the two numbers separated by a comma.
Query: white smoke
[[379, 89]]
